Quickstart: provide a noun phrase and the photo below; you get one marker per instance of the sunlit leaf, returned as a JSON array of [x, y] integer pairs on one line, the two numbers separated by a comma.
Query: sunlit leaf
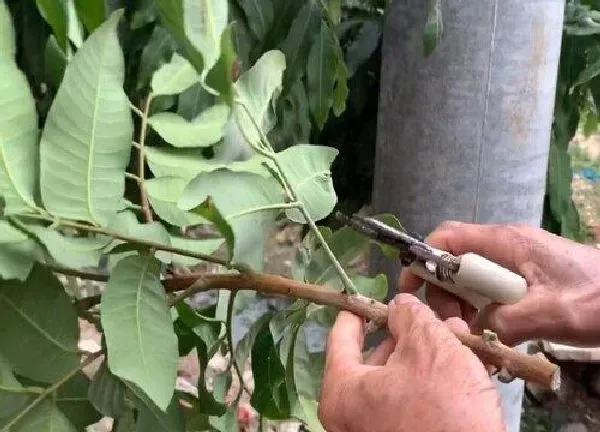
[[308, 169], [107, 392], [18, 252], [204, 22], [248, 210], [18, 128], [86, 142], [38, 324], [74, 252], [174, 77], [204, 130], [142, 346]]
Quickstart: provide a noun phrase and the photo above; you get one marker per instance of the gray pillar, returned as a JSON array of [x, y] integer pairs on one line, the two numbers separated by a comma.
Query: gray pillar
[[464, 134]]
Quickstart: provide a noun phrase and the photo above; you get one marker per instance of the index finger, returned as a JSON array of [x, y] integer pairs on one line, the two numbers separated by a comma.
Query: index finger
[[345, 342]]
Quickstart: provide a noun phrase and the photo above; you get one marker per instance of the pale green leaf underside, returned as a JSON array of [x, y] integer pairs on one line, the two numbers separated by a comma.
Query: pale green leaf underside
[[308, 169], [7, 33], [203, 131], [142, 345], [188, 163], [38, 324], [174, 77], [256, 89], [204, 22], [164, 193], [12, 396], [45, 417], [74, 252], [86, 142], [18, 139], [246, 202], [18, 252]]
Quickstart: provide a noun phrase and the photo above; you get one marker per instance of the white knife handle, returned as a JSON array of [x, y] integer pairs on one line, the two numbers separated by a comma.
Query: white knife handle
[[479, 281]]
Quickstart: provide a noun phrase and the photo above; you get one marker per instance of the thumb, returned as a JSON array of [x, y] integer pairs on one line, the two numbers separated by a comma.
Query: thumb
[[516, 323]]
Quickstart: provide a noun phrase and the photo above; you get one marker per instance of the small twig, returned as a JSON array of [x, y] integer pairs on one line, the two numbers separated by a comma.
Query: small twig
[[99, 277], [136, 110], [349, 287], [133, 177], [142, 161], [229, 334], [136, 144], [50, 390]]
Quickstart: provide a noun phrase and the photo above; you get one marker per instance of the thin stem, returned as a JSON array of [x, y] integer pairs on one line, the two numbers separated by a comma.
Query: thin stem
[[136, 144], [349, 287], [229, 334], [142, 162], [133, 177], [281, 206], [77, 273], [136, 110], [148, 244], [50, 390]]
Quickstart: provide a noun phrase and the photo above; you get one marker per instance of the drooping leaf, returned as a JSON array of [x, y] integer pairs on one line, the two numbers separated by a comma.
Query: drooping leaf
[[38, 324], [153, 418], [18, 131], [18, 252], [434, 27], [320, 74], [141, 343], [297, 43], [92, 13], [74, 252], [204, 22], [255, 90], [127, 224], [203, 131], [259, 14], [85, 146], [157, 52], [174, 77], [248, 210], [308, 169], [55, 13], [12, 394], [188, 163], [45, 417], [164, 193], [106, 392], [270, 396], [205, 246], [72, 400]]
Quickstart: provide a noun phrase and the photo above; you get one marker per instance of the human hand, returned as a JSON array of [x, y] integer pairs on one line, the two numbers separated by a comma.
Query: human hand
[[563, 299], [420, 378]]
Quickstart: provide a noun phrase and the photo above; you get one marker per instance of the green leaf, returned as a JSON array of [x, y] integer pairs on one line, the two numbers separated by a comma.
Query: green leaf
[[55, 63], [221, 76], [321, 74], [434, 27], [55, 14], [72, 399], [163, 194], [19, 130], [194, 100], [188, 163], [152, 418], [7, 33], [298, 41], [12, 394], [157, 52], [334, 7], [174, 77], [259, 14], [107, 392], [92, 13], [340, 92], [205, 246], [270, 396], [74, 252], [45, 417], [243, 349], [141, 343], [18, 252], [375, 288], [85, 146], [204, 22], [308, 170], [203, 131], [38, 324], [255, 89], [127, 224], [249, 210]]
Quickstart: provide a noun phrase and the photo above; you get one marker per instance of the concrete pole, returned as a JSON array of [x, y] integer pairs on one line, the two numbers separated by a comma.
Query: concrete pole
[[464, 134]]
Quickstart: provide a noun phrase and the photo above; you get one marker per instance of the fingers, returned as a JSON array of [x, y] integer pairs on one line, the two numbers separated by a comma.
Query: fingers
[[345, 343], [380, 355]]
